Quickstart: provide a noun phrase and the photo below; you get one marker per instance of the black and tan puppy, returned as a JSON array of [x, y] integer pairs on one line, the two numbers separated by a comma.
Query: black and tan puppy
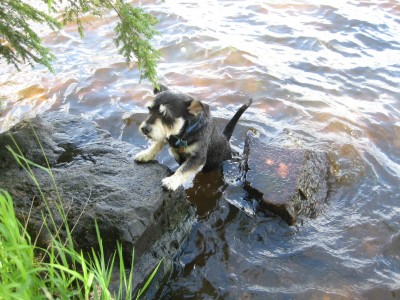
[[193, 137]]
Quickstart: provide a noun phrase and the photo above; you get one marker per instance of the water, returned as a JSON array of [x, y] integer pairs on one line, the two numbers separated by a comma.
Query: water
[[323, 75]]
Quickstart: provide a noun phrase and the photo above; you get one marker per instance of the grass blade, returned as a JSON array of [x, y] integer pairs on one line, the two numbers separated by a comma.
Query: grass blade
[[149, 280]]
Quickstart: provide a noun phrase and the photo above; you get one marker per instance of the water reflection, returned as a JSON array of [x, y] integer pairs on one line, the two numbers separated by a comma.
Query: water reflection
[[206, 192]]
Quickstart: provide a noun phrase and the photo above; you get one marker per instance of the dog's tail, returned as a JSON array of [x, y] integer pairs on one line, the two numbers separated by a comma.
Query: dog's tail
[[228, 130]]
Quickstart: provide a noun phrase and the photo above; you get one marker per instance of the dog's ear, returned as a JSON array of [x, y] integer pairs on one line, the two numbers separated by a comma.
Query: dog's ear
[[159, 89], [196, 107], [165, 110]]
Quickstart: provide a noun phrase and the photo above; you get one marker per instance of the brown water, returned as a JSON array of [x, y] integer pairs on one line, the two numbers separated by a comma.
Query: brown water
[[323, 75]]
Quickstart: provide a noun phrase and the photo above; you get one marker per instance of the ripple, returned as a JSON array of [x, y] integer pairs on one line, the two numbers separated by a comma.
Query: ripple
[[347, 49], [375, 43], [322, 75], [348, 164]]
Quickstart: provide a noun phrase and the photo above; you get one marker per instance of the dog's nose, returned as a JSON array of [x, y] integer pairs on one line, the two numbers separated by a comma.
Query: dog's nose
[[145, 130]]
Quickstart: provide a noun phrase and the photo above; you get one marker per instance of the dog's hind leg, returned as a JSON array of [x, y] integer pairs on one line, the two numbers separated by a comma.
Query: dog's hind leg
[[151, 152], [185, 173], [228, 130]]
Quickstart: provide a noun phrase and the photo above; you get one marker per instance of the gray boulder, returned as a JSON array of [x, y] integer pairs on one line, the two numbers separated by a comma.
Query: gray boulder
[[97, 180], [288, 182]]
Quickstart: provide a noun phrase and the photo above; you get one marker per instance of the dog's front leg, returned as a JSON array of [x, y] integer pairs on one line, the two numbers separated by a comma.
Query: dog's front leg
[[184, 173], [150, 153]]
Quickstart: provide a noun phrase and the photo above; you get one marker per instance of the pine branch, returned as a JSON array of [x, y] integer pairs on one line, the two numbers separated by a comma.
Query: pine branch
[[133, 32], [19, 43]]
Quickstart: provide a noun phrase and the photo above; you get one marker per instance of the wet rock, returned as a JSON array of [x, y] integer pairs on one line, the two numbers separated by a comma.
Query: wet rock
[[97, 180], [288, 182]]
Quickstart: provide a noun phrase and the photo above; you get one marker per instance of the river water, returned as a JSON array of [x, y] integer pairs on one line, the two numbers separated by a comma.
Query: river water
[[323, 75]]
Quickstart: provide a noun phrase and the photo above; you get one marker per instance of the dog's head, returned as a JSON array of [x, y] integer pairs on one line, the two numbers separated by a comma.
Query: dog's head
[[170, 112]]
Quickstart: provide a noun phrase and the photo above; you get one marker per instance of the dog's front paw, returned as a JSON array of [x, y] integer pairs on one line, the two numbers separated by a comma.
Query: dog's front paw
[[144, 156], [171, 183]]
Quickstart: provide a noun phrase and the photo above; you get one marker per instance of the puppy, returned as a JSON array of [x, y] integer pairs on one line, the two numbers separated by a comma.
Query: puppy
[[185, 124]]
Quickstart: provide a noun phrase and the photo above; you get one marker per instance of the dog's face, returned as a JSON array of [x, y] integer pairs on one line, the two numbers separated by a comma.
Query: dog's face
[[169, 113]]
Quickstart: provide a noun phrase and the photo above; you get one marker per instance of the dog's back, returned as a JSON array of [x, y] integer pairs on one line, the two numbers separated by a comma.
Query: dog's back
[[219, 148]]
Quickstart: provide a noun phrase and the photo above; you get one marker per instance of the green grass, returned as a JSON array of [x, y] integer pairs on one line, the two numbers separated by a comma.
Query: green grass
[[60, 271]]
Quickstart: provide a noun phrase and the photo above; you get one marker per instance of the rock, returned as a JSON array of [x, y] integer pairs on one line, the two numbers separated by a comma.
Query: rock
[[97, 180], [288, 182]]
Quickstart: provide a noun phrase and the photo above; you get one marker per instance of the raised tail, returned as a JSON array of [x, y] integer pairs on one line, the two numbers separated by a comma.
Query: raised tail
[[228, 130]]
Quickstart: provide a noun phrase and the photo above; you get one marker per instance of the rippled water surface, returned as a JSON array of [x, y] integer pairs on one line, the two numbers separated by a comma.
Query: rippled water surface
[[323, 75]]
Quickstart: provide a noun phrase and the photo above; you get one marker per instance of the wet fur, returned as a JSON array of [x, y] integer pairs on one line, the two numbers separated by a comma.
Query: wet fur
[[174, 116]]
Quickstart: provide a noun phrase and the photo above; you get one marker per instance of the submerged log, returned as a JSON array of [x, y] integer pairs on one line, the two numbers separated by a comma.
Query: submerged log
[[98, 181], [288, 182]]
